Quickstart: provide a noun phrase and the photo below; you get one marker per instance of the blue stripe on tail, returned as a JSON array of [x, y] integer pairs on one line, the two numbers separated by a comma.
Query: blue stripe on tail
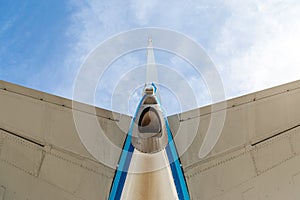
[[176, 169]]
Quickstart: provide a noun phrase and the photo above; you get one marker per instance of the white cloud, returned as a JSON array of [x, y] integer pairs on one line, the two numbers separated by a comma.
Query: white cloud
[[144, 11], [258, 46], [255, 44]]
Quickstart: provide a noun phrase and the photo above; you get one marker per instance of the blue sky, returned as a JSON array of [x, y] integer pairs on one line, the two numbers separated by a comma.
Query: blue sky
[[254, 44], [33, 43]]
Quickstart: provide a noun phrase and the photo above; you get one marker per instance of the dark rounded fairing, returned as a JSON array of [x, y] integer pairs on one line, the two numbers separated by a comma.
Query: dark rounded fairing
[[149, 133]]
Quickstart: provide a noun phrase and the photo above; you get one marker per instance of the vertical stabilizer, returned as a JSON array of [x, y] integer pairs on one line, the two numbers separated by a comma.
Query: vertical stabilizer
[[149, 167], [151, 66]]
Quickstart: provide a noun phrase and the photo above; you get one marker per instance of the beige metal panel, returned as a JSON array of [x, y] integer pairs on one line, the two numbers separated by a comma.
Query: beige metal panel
[[19, 113], [278, 179], [245, 99], [185, 136], [35, 94], [1, 141], [250, 120], [296, 185], [85, 179], [149, 177], [277, 90], [93, 187], [2, 192], [205, 110], [60, 101], [271, 116], [267, 156], [41, 190], [295, 141], [293, 107], [278, 168], [194, 113], [62, 132], [21, 154], [51, 123], [235, 131], [274, 184], [234, 134], [23, 91], [20, 161], [60, 173], [212, 178], [250, 194], [20, 185]]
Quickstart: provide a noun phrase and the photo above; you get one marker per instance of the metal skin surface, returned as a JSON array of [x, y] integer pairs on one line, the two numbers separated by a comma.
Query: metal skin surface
[[149, 167], [149, 134], [256, 158]]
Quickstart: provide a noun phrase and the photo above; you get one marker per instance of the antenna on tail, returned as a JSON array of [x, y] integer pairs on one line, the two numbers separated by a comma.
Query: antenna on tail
[[151, 71]]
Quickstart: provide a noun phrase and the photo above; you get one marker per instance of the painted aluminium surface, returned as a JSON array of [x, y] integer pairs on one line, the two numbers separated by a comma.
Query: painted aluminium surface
[[256, 157]]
